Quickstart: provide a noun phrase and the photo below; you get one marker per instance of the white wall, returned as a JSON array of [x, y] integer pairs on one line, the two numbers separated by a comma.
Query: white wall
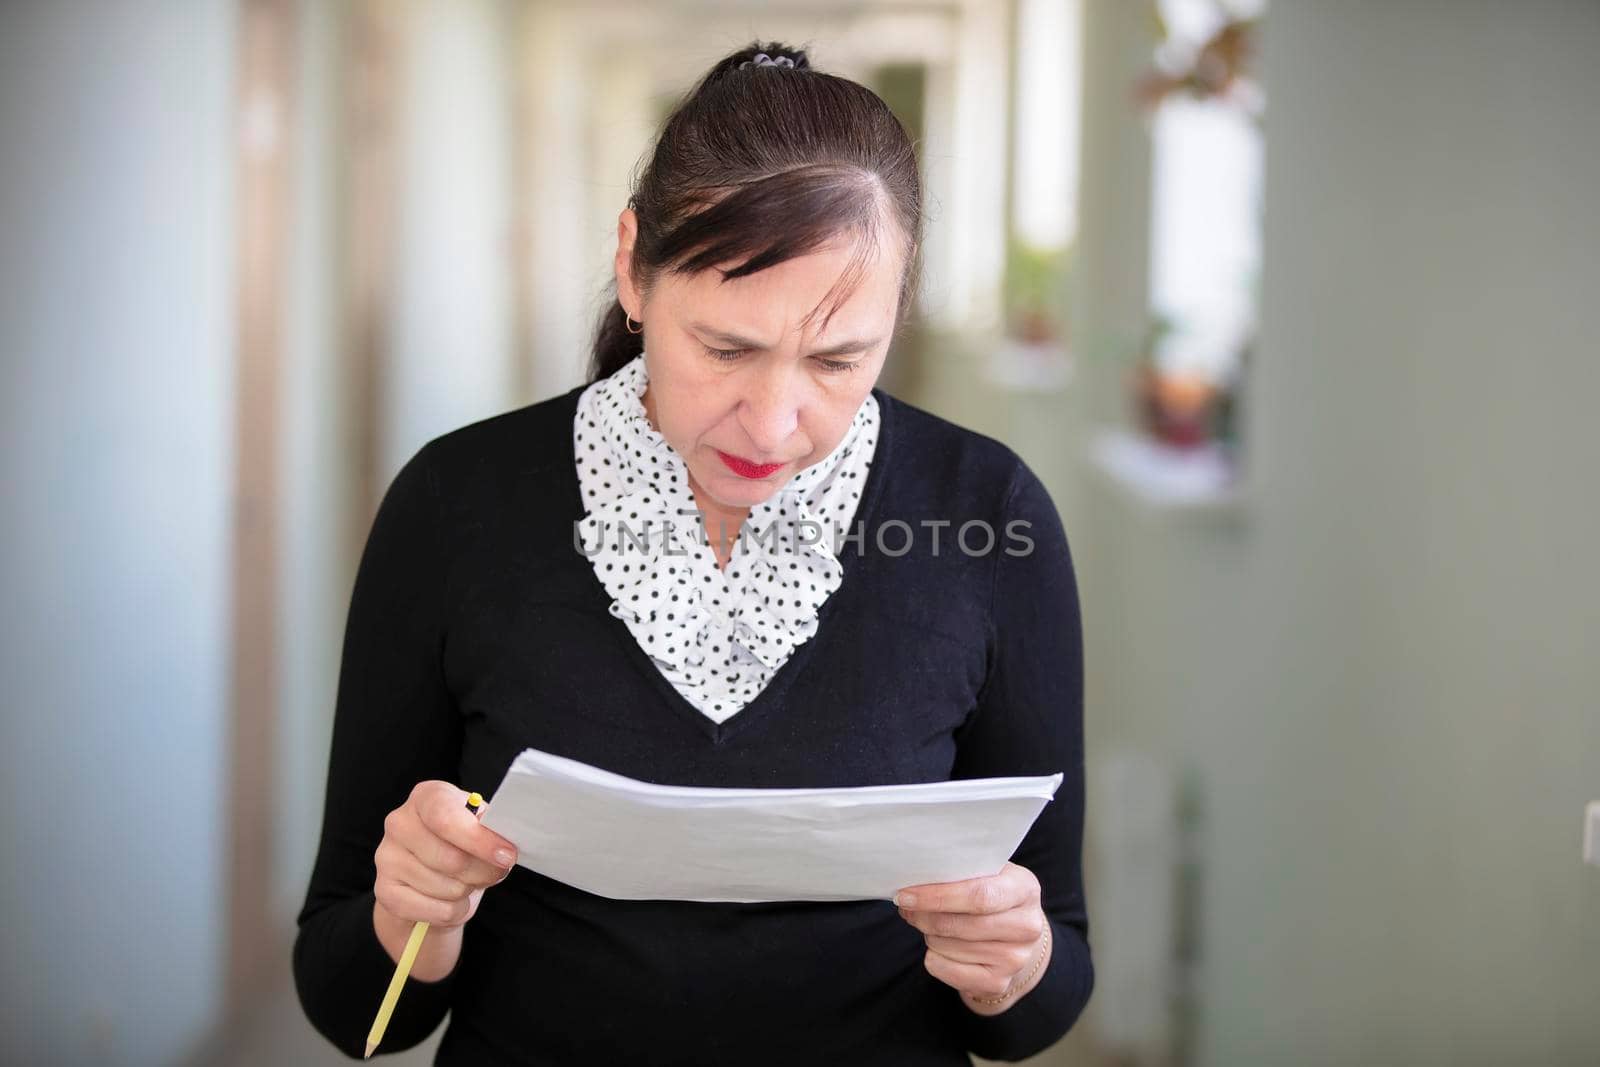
[[116, 447], [1384, 672], [317, 459], [450, 356]]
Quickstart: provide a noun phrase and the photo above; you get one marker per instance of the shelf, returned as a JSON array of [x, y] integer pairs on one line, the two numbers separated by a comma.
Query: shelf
[[1167, 478], [1025, 367]]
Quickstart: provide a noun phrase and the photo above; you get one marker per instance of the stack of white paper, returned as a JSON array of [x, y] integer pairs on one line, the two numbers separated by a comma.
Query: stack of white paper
[[631, 840]]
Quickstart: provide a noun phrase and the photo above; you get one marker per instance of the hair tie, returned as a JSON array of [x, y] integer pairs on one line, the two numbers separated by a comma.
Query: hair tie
[[761, 59]]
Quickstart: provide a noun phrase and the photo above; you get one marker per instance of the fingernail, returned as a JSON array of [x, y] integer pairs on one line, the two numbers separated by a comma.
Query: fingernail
[[906, 900], [503, 857]]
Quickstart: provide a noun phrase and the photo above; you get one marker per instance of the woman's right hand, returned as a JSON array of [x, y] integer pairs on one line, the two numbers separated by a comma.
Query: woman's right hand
[[435, 861]]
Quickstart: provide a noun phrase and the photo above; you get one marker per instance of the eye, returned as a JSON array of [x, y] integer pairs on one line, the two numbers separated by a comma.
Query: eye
[[832, 366]]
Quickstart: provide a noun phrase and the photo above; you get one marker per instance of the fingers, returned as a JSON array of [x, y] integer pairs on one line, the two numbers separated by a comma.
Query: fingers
[[406, 867], [404, 834], [413, 851], [441, 856], [969, 978], [434, 860], [445, 836], [974, 946], [1024, 924], [406, 902], [1005, 957], [1014, 886], [445, 813]]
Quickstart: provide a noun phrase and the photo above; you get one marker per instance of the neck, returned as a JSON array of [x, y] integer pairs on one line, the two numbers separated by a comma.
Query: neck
[[722, 522]]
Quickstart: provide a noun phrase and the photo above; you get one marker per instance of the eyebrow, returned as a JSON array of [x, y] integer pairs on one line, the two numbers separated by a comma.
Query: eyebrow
[[733, 340]]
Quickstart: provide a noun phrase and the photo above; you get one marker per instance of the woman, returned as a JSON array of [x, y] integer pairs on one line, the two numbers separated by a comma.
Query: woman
[[868, 595]]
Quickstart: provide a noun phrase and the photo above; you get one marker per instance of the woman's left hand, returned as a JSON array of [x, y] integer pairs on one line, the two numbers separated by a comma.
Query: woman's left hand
[[984, 935]]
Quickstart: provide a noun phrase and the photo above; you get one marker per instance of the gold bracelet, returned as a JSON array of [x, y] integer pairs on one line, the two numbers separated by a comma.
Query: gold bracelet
[[1044, 951]]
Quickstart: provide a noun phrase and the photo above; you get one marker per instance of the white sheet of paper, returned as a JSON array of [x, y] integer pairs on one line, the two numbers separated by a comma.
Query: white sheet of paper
[[630, 840]]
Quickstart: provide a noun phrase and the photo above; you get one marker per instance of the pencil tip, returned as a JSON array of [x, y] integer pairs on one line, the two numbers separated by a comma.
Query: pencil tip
[[370, 1047]]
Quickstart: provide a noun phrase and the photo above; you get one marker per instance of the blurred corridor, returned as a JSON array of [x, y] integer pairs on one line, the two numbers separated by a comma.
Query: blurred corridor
[[1293, 307]]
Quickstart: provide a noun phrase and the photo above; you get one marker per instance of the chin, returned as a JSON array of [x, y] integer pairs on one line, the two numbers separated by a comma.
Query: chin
[[742, 492]]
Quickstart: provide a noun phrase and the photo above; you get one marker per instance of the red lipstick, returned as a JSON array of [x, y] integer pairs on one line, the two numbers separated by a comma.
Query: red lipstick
[[745, 469]]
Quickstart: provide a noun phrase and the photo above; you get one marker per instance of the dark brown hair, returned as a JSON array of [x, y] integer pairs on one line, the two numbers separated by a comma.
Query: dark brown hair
[[761, 163]]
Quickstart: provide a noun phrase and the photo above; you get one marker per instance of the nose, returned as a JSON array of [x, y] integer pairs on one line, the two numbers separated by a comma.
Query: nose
[[770, 411]]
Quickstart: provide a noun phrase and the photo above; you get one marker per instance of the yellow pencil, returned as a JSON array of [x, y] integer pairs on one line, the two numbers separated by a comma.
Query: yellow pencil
[[403, 968]]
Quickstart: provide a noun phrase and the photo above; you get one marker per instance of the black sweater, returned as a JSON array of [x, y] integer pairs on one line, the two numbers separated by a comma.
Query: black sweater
[[477, 629]]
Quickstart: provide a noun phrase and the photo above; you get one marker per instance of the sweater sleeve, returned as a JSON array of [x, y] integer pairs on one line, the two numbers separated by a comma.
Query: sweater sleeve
[[394, 725], [1029, 720]]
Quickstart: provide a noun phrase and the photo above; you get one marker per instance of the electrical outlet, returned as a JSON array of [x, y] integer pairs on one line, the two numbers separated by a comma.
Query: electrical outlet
[[1591, 834]]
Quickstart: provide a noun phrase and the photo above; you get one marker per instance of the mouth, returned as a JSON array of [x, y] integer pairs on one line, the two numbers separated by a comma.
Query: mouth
[[745, 469]]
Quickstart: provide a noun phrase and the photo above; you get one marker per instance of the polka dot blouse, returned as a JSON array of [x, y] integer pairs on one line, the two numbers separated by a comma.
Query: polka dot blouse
[[717, 635]]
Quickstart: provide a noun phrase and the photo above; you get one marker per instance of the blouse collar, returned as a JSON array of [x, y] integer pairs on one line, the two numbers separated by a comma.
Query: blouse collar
[[718, 634]]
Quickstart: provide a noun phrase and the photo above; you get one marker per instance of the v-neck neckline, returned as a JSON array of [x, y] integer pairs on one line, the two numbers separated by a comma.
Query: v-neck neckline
[[781, 680]]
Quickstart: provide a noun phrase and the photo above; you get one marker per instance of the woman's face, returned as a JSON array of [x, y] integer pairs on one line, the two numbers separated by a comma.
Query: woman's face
[[736, 388]]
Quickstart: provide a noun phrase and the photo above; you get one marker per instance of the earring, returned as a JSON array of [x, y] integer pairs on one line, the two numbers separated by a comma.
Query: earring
[[627, 323]]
